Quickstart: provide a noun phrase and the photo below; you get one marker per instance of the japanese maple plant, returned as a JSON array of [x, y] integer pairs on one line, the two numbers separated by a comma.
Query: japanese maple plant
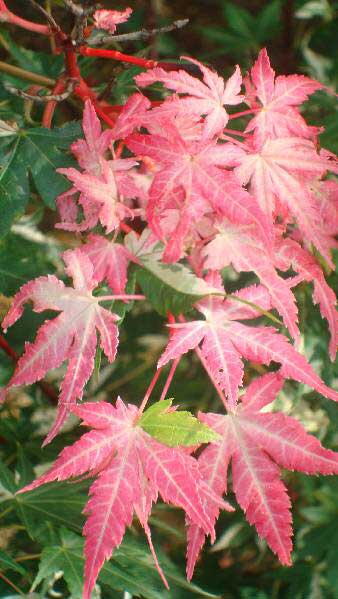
[[170, 191]]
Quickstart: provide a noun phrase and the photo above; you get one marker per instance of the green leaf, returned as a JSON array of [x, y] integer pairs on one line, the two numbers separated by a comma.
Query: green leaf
[[171, 287], [24, 467], [36, 152], [14, 188], [8, 563], [124, 84], [20, 261], [175, 428], [131, 569], [61, 557], [133, 557], [55, 503], [7, 478], [49, 65], [239, 20], [268, 22]]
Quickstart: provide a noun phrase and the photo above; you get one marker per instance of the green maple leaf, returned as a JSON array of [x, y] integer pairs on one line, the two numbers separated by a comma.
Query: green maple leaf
[[33, 154], [173, 427]]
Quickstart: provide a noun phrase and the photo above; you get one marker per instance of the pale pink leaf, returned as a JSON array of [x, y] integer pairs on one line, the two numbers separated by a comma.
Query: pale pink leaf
[[206, 186], [131, 116], [110, 261], [256, 442], [102, 192], [278, 100], [70, 336], [240, 246], [108, 19], [280, 170], [90, 151], [206, 98]]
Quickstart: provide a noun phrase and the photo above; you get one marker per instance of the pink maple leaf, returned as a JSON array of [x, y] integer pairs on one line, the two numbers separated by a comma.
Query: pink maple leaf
[[90, 151], [131, 468], [102, 195], [108, 19], [279, 177], [70, 336], [278, 99], [110, 261], [206, 98], [190, 180], [241, 246], [131, 115], [225, 342], [256, 443], [290, 254]]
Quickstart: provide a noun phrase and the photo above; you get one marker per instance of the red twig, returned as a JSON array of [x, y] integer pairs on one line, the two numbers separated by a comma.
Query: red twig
[[7, 348], [140, 62], [125, 228], [82, 89], [51, 105], [6, 16]]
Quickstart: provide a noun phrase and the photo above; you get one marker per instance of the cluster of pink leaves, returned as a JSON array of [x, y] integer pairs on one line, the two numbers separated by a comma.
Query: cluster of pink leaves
[[259, 205]]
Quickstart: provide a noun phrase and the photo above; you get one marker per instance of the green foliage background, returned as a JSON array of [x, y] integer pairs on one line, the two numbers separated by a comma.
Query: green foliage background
[[40, 531]]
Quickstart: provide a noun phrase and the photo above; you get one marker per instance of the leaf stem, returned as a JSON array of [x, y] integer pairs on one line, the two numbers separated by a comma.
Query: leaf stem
[[235, 132], [170, 378], [236, 115], [11, 584], [27, 75], [24, 558], [9, 509], [256, 307], [149, 391], [125, 297]]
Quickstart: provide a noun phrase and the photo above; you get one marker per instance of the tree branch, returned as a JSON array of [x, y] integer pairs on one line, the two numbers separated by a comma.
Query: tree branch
[[142, 34]]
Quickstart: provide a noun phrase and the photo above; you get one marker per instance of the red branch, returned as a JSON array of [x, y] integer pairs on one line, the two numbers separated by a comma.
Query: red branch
[[6, 16], [140, 62], [51, 105]]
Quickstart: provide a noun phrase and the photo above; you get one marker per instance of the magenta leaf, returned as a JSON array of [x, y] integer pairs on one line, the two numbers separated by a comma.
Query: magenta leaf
[[132, 468], [256, 443]]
